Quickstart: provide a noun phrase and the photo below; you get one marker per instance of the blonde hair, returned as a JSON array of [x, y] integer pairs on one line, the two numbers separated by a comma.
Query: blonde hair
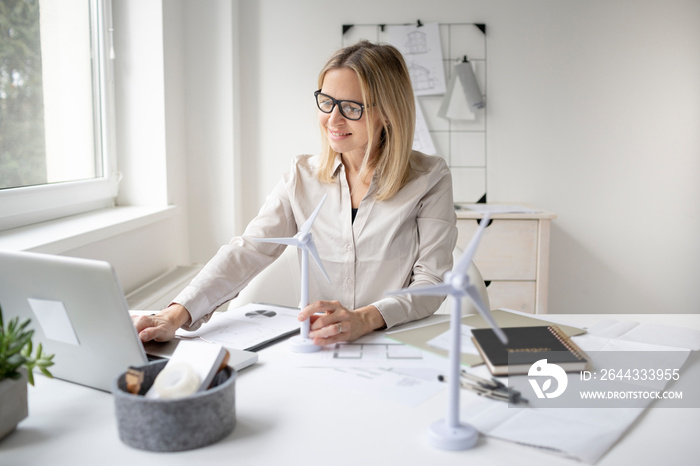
[[386, 88]]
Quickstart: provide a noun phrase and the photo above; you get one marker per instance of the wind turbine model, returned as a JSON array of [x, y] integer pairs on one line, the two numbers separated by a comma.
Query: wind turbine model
[[449, 433], [304, 241]]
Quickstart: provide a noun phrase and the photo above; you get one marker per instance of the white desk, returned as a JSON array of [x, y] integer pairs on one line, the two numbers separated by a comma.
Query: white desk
[[292, 422]]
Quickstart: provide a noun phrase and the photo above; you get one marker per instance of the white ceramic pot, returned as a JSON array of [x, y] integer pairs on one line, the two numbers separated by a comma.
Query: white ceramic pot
[[13, 403]]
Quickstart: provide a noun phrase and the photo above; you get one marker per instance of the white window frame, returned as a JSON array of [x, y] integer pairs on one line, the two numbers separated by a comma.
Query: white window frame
[[33, 204]]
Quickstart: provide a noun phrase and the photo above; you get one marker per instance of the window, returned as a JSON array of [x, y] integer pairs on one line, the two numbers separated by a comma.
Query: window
[[56, 92]]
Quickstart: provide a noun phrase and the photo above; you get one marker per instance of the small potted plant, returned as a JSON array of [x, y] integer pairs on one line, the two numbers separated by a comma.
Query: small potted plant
[[16, 366]]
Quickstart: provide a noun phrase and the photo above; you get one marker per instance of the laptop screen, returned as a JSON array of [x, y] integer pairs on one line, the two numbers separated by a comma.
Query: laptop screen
[[78, 312]]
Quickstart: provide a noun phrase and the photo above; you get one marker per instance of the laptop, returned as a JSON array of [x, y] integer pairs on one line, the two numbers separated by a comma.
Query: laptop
[[79, 313]]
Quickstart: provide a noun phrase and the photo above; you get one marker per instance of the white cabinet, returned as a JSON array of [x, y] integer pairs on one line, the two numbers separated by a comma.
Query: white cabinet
[[513, 257]]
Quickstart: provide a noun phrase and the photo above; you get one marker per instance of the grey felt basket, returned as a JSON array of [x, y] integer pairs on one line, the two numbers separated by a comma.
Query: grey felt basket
[[174, 425]]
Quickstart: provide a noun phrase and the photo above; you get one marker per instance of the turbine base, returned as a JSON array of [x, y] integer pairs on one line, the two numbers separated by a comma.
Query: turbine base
[[462, 437], [303, 345]]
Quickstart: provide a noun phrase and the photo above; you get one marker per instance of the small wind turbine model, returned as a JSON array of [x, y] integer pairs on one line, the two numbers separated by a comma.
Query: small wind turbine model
[[304, 241], [449, 433]]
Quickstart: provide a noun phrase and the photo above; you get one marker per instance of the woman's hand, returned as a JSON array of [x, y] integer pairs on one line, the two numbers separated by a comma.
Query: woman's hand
[[161, 326], [338, 324]]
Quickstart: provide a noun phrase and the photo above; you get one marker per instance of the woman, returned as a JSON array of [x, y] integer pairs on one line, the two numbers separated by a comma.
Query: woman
[[388, 221]]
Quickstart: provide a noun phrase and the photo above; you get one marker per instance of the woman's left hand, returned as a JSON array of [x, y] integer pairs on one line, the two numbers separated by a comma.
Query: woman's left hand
[[333, 323]]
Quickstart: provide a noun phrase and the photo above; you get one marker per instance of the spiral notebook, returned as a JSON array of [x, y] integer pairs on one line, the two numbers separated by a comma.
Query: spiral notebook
[[527, 345]]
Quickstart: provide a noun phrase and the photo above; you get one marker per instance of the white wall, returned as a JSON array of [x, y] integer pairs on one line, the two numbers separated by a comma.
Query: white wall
[[600, 124], [594, 110], [176, 133], [210, 92], [150, 143]]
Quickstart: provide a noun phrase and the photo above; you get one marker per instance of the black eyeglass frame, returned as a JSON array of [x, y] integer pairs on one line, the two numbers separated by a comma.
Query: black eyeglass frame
[[338, 103]]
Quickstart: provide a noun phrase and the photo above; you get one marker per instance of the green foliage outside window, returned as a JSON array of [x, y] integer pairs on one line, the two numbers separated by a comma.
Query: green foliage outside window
[[22, 143]]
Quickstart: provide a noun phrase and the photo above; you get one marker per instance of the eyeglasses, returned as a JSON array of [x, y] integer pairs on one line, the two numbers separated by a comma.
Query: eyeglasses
[[348, 108]]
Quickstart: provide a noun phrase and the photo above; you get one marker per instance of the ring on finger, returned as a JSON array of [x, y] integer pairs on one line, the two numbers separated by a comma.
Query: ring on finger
[[340, 328]]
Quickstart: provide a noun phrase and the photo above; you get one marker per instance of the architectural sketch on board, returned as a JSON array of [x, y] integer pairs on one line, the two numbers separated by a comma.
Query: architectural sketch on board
[[421, 48]]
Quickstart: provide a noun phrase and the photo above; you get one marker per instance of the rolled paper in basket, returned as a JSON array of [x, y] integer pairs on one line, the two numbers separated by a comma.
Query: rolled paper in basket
[[176, 381]]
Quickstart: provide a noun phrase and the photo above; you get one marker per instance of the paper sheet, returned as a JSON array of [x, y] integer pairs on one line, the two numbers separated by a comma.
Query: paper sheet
[[374, 365], [247, 326], [658, 334], [374, 350], [584, 434], [421, 48], [390, 384], [422, 140], [442, 341]]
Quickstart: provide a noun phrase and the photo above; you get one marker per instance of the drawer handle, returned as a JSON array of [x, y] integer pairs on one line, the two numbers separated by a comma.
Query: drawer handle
[[478, 222]]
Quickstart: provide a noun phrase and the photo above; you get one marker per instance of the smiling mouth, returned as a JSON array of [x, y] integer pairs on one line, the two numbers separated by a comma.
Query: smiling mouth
[[338, 134]]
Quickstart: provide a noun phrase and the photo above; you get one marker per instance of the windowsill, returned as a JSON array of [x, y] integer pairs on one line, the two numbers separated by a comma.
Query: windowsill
[[64, 234]]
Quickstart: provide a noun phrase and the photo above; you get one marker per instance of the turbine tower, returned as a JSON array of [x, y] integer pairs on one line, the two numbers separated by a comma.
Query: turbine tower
[[304, 241], [449, 433]]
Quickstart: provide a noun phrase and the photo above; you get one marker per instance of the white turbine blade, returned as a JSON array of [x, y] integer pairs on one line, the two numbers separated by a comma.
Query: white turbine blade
[[468, 254], [307, 224], [289, 241], [314, 253], [474, 295], [432, 290]]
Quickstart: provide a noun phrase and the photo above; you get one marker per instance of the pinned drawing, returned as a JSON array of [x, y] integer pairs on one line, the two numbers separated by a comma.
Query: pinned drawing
[[422, 140], [417, 42], [421, 48]]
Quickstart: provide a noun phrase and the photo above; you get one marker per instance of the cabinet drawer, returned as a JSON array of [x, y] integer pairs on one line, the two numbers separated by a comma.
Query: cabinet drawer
[[519, 296], [508, 249]]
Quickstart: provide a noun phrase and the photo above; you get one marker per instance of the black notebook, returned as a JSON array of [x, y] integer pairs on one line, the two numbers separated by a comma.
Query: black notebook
[[527, 345]]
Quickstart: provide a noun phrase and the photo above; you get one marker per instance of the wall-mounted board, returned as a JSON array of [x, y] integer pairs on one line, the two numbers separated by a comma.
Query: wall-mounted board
[[462, 143]]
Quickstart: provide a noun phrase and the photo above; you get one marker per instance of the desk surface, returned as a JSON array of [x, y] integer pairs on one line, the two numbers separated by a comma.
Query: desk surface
[[293, 422]]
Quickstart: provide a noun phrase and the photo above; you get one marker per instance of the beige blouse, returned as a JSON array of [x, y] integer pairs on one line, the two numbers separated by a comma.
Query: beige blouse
[[403, 241]]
